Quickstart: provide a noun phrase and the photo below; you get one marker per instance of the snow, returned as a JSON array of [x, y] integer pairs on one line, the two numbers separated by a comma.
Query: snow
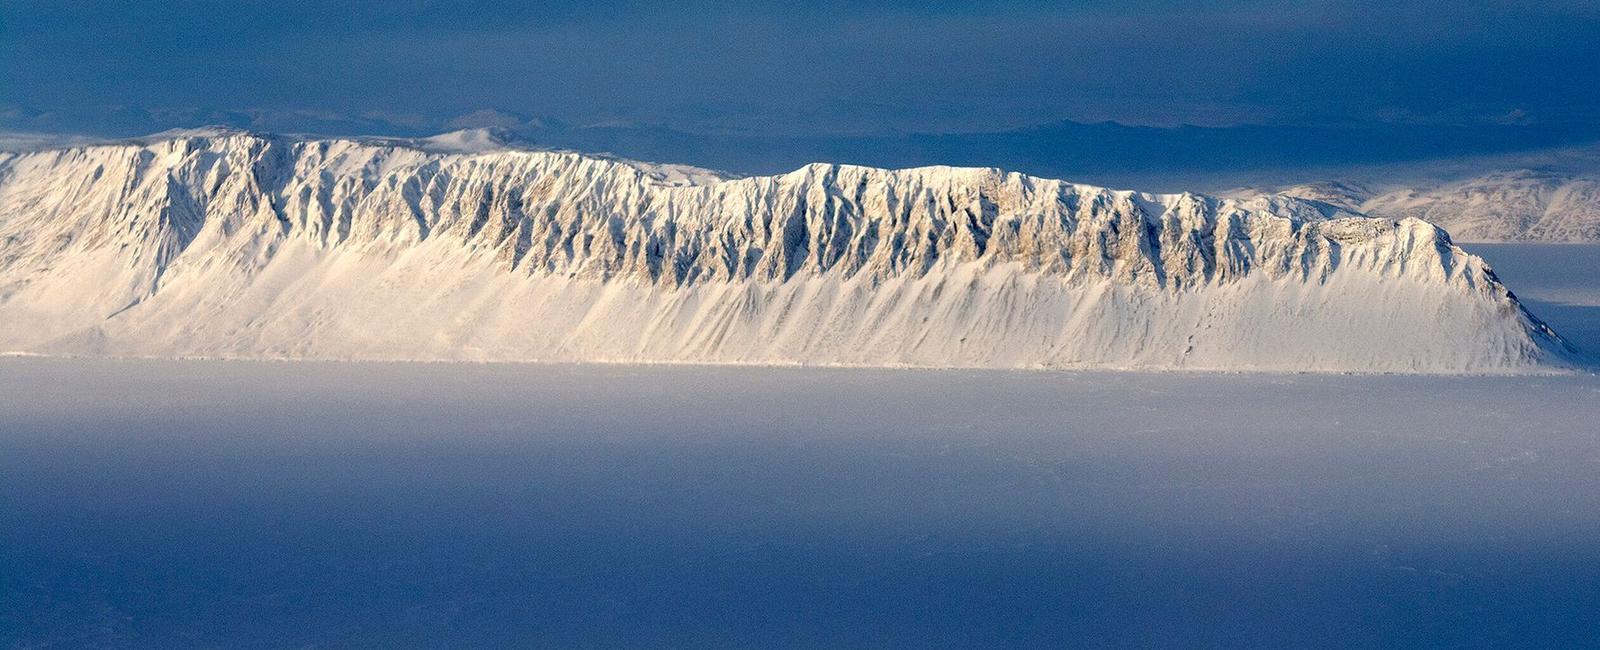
[[1498, 206], [1559, 282], [466, 141], [213, 503], [223, 243], [22, 141], [225, 503]]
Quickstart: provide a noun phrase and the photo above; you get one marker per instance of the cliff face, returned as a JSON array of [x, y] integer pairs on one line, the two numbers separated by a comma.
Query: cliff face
[[232, 244]]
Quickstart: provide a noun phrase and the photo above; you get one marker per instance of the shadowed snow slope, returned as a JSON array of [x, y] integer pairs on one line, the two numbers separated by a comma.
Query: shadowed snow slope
[[226, 244]]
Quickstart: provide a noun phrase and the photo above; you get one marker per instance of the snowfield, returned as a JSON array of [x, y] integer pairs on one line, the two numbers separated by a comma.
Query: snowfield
[[237, 245], [232, 503], [1508, 206]]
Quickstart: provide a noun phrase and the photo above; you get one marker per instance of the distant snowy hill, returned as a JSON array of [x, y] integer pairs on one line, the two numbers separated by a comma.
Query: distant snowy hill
[[231, 244], [1500, 206]]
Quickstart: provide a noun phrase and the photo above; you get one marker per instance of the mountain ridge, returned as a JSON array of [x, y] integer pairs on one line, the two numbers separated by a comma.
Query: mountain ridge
[[249, 245]]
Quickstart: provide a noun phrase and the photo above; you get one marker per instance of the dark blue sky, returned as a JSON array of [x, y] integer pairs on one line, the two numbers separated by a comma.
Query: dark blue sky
[[821, 66]]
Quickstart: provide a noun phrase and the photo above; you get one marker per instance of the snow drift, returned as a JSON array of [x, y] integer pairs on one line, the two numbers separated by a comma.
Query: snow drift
[[229, 244]]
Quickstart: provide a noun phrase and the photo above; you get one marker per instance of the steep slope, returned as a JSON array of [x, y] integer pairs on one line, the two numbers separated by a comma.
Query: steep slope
[[232, 244], [1502, 206]]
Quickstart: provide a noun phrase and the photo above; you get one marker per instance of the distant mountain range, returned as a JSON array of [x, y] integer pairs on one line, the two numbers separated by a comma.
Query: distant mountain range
[[1502, 206], [1548, 196]]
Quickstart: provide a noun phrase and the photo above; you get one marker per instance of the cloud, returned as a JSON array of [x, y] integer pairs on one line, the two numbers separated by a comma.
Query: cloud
[[826, 66]]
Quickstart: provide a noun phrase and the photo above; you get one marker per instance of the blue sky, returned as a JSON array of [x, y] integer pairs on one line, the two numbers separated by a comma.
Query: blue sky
[[824, 66]]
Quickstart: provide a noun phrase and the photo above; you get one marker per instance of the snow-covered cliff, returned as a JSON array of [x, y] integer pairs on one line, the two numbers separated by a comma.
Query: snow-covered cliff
[[229, 244]]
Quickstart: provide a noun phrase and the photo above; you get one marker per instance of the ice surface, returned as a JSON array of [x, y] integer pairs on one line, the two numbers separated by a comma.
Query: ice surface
[[209, 503]]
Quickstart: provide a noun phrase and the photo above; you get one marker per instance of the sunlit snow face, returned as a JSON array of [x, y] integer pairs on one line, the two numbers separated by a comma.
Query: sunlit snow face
[[224, 243]]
